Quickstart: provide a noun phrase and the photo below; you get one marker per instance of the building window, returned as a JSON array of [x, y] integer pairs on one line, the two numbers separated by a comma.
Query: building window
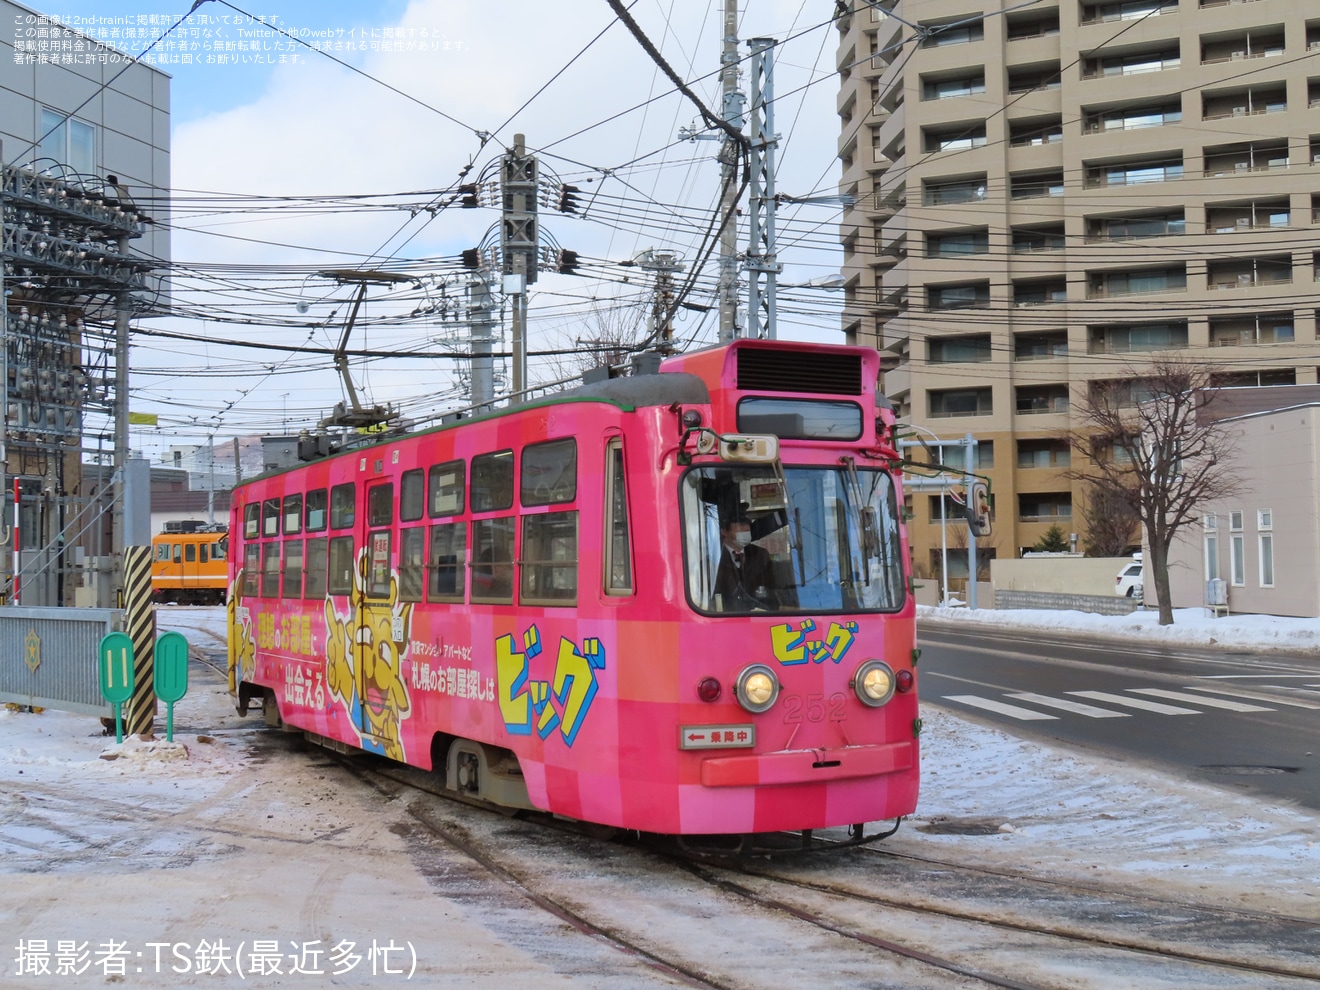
[[960, 402], [959, 244], [958, 296], [1211, 526], [1264, 524], [1039, 506], [956, 33], [1104, 284], [964, 137], [1236, 549], [68, 142], [949, 350], [955, 191], [943, 89]]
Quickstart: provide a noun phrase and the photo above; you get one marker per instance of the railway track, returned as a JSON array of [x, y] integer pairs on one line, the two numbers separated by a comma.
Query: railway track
[[904, 922]]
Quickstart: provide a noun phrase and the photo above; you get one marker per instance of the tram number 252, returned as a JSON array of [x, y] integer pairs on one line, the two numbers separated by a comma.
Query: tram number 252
[[815, 707]]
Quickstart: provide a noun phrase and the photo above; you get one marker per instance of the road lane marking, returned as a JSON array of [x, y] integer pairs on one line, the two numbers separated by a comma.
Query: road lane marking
[[1261, 696], [1076, 707], [1232, 706], [1012, 711], [1149, 706]]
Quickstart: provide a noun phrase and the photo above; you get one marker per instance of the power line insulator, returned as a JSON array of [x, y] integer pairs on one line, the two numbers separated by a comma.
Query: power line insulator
[[471, 258], [568, 198], [568, 262]]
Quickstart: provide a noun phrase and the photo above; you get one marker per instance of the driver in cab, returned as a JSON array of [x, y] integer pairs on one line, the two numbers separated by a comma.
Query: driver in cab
[[745, 575]]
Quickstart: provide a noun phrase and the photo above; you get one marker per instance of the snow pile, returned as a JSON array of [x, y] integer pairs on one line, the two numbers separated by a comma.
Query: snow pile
[[1191, 626]]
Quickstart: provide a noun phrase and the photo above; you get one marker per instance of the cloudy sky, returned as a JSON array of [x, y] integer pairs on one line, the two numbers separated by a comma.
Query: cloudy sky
[[362, 162]]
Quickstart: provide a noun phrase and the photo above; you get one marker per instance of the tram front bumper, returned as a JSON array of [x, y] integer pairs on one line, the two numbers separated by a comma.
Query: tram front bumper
[[800, 766]]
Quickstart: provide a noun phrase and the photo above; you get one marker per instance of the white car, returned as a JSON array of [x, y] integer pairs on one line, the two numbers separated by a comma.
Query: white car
[[1130, 584]]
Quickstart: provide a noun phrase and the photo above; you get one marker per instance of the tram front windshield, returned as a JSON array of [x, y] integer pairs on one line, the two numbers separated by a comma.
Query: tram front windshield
[[822, 540]]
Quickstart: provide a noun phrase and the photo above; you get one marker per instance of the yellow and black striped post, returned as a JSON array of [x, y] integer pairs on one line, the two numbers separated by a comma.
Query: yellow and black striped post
[[140, 624]]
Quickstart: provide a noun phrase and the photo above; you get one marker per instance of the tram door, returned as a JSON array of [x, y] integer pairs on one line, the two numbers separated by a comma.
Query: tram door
[[377, 646]]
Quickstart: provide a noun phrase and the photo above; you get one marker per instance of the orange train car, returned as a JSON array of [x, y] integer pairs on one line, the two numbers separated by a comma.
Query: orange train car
[[190, 564]]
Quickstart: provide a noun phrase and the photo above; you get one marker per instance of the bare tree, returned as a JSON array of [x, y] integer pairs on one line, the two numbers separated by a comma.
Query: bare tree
[[1154, 443], [1112, 523], [607, 335]]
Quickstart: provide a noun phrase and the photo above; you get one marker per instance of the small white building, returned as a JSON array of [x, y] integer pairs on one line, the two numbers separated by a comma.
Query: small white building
[[1265, 543]]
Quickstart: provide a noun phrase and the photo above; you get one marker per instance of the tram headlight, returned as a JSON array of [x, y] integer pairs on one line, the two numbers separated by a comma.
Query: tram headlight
[[757, 688], [873, 683]]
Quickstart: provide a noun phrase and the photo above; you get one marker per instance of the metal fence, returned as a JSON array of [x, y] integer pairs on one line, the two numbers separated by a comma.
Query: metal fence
[[48, 657]]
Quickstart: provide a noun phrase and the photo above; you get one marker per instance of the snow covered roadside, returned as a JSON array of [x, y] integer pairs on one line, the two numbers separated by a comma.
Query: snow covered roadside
[[1191, 626]]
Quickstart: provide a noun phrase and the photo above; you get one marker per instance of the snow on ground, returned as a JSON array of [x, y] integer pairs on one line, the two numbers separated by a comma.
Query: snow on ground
[[313, 859], [1191, 626]]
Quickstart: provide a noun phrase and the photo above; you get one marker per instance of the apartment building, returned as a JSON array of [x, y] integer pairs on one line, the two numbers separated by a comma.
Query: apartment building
[[1046, 197]]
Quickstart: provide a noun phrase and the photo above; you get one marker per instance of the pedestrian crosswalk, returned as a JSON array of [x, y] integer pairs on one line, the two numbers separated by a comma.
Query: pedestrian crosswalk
[[1027, 706]]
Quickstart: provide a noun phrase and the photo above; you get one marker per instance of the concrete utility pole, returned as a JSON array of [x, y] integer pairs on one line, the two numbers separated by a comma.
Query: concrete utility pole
[[519, 244], [733, 114], [479, 308]]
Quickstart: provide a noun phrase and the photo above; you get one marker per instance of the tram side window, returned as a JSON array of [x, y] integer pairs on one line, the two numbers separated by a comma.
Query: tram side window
[[412, 563], [412, 495], [252, 521], [492, 559], [448, 556], [446, 486], [380, 504], [315, 510], [190, 553], [549, 473], [341, 565], [293, 568], [270, 517], [163, 552], [292, 514], [251, 568], [492, 481], [178, 553], [342, 506], [618, 544], [314, 575], [550, 558], [378, 563], [220, 548], [202, 555], [270, 570]]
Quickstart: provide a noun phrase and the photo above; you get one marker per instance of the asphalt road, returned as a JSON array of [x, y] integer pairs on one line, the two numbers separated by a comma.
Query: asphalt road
[[1241, 720]]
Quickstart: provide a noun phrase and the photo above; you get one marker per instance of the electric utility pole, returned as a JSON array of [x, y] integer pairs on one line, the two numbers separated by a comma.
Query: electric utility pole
[[729, 153], [519, 239]]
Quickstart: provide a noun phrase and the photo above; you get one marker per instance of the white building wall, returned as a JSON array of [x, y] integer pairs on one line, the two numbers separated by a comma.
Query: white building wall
[[1278, 457]]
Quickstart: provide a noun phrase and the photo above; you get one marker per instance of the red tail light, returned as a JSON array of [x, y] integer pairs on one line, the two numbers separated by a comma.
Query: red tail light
[[904, 681], [709, 689]]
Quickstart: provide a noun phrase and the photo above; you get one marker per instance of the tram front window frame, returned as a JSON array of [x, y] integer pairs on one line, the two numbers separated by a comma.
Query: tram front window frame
[[831, 539]]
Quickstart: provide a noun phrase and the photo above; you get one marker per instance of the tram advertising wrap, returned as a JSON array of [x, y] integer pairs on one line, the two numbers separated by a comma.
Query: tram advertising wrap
[[675, 603]]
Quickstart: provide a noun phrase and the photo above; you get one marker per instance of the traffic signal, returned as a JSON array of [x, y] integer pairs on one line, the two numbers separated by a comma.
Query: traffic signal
[[978, 509], [568, 198]]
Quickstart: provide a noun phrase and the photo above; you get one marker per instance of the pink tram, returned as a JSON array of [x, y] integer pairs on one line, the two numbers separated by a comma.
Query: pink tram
[[673, 603]]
